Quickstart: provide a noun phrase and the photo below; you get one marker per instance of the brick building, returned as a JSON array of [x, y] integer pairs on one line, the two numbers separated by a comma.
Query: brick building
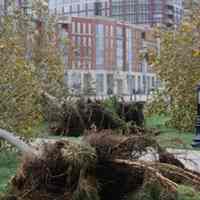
[[149, 12], [105, 43], [107, 52]]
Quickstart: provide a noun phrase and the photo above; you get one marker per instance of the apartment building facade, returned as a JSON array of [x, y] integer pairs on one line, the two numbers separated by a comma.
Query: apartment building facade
[[145, 12], [80, 7], [106, 52], [189, 7], [7, 6], [151, 12], [2, 7]]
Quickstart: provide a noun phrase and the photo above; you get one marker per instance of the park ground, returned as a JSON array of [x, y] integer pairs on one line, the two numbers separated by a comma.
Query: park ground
[[168, 137]]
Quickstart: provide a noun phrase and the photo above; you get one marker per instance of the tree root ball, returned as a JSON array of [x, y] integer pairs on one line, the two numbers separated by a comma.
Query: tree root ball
[[64, 171]]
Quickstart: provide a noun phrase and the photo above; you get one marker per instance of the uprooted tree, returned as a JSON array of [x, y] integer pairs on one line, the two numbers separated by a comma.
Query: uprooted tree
[[71, 116], [102, 166]]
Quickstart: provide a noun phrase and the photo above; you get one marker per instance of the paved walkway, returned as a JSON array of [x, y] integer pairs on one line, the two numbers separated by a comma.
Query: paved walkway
[[190, 158]]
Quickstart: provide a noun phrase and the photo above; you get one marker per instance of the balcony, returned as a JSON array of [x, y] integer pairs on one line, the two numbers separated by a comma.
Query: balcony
[[64, 20]]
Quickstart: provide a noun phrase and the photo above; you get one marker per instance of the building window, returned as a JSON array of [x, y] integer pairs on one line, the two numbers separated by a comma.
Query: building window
[[84, 28], [89, 42], [131, 84], [76, 82], [111, 31], [144, 82], [148, 84], [78, 27], [110, 84], [153, 82], [129, 50], [99, 44], [98, 8], [120, 87], [89, 28], [143, 35], [73, 27], [100, 84], [139, 88], [66, 79], [120, 50], [89, 85]]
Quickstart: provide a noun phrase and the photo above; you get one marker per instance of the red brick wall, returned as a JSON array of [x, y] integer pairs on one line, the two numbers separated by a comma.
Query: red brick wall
[[109, 43]]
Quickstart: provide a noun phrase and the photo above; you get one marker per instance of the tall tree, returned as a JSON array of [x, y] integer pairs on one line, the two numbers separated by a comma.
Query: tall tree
[[179, 68], [29, 65]]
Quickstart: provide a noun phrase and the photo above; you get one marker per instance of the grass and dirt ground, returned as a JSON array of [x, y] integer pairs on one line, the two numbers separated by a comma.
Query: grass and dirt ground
[[8, 165], [168, 137]]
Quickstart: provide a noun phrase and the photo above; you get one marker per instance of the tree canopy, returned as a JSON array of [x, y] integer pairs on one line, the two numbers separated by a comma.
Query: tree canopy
[[30, 63], [178, 67]]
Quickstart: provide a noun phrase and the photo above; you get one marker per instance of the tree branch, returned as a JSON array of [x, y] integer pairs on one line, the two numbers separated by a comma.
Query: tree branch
[[54, 101]]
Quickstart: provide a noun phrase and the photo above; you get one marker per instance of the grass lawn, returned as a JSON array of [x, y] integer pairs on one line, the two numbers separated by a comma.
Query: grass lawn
[[41, 130], [170, 137], [8, 166]]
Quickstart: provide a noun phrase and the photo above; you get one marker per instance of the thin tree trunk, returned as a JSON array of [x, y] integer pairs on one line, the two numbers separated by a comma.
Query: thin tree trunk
[[54, 101]]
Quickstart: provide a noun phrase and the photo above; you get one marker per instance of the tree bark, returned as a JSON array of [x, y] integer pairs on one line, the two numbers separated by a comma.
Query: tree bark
[[19, 144]]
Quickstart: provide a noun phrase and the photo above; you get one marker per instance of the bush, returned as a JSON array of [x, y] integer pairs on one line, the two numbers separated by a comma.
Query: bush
[[152, 191], [158, 105], [187, 193]]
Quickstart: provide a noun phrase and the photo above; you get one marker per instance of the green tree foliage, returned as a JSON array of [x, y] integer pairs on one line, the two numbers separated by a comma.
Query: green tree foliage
[[152, 190], [29, 64], [179, 69], [187, 193], [18, 83], [158, 104]]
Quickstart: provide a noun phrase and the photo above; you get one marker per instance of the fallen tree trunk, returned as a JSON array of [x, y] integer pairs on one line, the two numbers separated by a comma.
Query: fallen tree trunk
[[19, 144]]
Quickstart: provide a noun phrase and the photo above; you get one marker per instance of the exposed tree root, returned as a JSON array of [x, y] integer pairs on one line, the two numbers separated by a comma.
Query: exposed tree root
[[164, 181], [179, 175]]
